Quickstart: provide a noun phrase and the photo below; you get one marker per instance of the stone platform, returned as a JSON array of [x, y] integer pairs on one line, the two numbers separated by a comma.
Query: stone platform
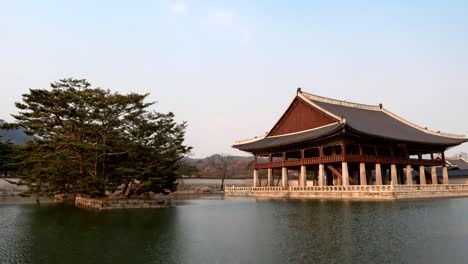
[[354, 192], [115, 204]]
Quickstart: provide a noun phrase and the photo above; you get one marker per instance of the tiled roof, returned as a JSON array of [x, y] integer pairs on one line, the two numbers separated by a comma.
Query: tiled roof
[[379, 122], [460, 163], [284, 140]]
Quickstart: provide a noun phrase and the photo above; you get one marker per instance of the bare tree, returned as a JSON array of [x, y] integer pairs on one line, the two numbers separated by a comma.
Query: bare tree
[[223, 164]]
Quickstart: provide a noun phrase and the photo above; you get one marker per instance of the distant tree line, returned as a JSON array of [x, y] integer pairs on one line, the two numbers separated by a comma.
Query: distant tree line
[[217, 166], [221, 166], [92, 141]]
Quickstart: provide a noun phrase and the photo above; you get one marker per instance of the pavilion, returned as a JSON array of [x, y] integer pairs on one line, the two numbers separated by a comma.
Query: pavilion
[[330, 142]]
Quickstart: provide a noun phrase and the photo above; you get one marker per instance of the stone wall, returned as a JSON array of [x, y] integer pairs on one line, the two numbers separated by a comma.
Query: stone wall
[[119, 203], [64, 197]]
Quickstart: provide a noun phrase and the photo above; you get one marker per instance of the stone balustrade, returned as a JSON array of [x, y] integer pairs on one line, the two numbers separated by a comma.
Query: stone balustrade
[[366, 192], [253, 189], [434, 187], [349, 188]]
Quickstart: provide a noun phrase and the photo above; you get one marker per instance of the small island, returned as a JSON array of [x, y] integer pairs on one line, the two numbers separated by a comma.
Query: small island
[[108, 150]]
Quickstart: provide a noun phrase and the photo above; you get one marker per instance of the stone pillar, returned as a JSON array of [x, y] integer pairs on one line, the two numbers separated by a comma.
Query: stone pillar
[[344, 173], [255, 178], [422, 175], [284, 178], [303, 177], [362, 174], [434, 175], [378, 174], [270, 177], [409, 175], [393, 174], [445, 179], [321, 175]]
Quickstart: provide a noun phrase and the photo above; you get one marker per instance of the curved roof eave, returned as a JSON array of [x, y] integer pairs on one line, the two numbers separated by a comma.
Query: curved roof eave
[[290, 139]]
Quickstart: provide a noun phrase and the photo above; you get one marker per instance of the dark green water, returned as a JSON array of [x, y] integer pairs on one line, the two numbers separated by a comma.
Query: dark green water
[[240, 231]]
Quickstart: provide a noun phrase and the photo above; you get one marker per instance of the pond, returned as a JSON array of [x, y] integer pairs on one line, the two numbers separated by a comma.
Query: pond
[[239, 230]]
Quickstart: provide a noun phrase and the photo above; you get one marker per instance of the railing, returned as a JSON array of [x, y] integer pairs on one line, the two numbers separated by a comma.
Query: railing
[[431, 187], [355, 188], [351, 188], [349, 158], [253, 189]]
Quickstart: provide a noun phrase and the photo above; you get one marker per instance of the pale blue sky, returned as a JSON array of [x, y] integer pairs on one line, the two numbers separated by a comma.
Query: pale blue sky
[[230, 68]]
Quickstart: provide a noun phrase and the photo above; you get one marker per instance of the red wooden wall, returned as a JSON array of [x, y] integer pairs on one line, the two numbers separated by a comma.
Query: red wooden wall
[[299, 117]]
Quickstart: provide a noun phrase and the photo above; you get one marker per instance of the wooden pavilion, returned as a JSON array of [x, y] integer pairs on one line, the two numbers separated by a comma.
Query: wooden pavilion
[[330, 142]]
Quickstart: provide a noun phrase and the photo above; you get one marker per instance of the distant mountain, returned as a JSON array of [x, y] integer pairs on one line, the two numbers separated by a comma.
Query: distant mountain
[[16, 136]]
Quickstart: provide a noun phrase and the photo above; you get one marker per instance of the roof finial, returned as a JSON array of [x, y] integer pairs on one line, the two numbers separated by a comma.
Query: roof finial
[[299, 89], [380, 106]]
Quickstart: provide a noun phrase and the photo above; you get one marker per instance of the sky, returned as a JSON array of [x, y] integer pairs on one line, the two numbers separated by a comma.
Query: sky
[[231, 68]]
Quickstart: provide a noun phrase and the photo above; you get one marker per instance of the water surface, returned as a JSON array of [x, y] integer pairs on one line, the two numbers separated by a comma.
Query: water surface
[[240, 230]]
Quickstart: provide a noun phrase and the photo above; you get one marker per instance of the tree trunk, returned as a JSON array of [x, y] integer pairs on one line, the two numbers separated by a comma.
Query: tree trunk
[[222, 183], [125, 187], [129, 189], [81, 159]]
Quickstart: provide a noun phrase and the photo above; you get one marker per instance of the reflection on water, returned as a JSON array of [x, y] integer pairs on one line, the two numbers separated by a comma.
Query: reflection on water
[[240, 230]]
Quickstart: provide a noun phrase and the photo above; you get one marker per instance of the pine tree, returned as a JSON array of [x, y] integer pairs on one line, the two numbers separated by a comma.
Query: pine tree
[[102, 140]]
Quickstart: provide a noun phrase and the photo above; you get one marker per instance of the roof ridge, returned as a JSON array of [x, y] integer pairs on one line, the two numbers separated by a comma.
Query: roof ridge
[[341, 102]]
